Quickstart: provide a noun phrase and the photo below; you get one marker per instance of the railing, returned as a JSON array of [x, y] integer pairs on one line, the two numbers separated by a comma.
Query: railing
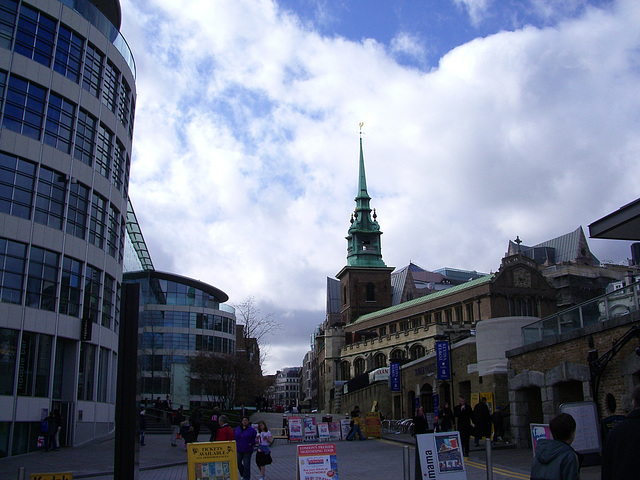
[[600, 309]]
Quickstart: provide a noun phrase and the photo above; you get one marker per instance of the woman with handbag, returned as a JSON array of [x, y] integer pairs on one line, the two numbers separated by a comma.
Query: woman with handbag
[[264, 440]]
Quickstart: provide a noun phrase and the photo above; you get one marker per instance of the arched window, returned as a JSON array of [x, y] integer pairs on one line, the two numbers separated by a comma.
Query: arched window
[[397, 354], [345, 370], [359, 366], [379, 360], [416, 351], [371, 292]]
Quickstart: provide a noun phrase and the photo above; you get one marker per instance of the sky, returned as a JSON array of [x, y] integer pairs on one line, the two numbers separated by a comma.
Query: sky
[[483, 120]]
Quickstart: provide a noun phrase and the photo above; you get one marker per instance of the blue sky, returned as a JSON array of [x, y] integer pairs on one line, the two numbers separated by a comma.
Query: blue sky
[[484, 120]]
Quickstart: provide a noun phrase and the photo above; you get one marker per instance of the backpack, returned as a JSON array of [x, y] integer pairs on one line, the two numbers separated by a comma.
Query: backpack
[[44, 426]]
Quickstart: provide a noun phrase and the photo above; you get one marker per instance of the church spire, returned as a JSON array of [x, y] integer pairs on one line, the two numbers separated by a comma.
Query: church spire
[[363, 240]]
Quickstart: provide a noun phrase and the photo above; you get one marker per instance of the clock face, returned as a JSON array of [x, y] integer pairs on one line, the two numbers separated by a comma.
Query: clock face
[[521, 278]]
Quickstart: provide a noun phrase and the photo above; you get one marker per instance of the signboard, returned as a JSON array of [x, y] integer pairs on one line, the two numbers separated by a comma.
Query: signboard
[[317, 462], [310, 430], [334, 430], [323, 432], [207, 460], [441, 456], [373, 424], [379, 374], [345, 427], [52, 476], [296, 433], [538, 432], [442, 360], [394, 376], [587, 426]]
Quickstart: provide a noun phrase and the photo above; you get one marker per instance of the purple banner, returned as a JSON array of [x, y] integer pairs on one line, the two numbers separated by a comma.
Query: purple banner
[[442, 359]]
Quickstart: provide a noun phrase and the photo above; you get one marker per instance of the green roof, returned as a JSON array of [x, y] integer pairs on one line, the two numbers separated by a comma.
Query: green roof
[[426, 298]]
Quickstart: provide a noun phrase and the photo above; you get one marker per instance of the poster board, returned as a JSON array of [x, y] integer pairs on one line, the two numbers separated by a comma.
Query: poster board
[[373, 425], [317, 461], [296, 431], [538, 432], [345, 427], [587, 426], [212, 460], [310, 430], [52, 476], [441, 456], [323, 432], [334, 431]]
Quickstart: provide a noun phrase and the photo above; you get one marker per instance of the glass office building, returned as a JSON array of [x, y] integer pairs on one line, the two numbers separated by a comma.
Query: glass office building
[[67, 103]]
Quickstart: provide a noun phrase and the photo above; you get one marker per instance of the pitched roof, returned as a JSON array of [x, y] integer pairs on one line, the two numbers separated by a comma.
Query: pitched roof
[[570, 247]]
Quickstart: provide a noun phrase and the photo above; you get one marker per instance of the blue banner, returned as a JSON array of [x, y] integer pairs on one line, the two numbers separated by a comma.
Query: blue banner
[[394, 376], [443, 362]]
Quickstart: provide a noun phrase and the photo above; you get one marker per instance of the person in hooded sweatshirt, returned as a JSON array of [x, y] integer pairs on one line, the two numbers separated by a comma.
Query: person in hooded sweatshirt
[[555, 459]]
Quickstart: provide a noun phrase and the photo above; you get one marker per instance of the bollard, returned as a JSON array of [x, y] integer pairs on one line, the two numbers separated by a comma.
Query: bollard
[[21, 473], [406, 473], [487, 444]]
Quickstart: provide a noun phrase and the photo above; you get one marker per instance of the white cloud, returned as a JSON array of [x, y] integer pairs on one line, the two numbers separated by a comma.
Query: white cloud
[[476, 8], [246, 144]]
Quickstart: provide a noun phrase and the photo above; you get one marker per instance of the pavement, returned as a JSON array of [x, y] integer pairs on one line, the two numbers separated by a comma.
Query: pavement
[[379, 459]]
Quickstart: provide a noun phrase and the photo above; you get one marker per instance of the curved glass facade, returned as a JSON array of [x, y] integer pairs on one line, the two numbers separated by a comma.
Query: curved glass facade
[[67, 105], [179, 318]]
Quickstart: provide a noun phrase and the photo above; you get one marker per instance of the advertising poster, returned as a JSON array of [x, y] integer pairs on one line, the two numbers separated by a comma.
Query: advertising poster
[[323, 432], [310, 430], [587, 426], [394, 377], [443, 361], [373, 424], [538, 432], [334, 431], [296, 432], [345, 427], [317, 462], [441, 456], [212, 461]]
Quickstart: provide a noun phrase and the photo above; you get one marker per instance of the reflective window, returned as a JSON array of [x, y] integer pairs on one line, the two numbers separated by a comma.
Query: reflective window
[[85, 137], [68, 54], [103, 151], [108, 294], [86, 371], [122, 237], [50, 198], [78, 210], [116, 317], [132, 116], [59, 125], [8, 14], [103, 375], [42, 279], [92, 286], [34, 38], [118, 165], [17, 178], [110, 86], [3, 80], [12, 263], [92, 70], [9, 349], [97, 221], [24, 107], [70, 287], [124, 103], [113, 232], [35, 364]]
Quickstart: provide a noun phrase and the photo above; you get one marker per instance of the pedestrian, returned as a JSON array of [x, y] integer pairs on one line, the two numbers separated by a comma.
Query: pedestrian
[[356, 425], [48, 428], [224, 433], [465, 419], [158, 404], [245, 436], [482, 421], [497, 418], [447, 420], [196, 422], [420, 426], [143, 426], [59, 422], [621, 451], [264, 441], [167, 404], [176, 419], [213, 423], [555, 459], [186, 432]]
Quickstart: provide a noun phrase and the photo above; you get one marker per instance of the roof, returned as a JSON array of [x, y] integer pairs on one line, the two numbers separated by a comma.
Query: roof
[[623, 224], [570, 247]]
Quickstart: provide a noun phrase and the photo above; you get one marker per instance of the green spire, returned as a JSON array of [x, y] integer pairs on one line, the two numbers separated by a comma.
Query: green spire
[[363, 240]]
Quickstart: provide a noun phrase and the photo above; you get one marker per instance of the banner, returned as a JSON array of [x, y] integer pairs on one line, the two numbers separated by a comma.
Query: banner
[[394, 376], [323, 432], [442, 360], [207, 460], [296, 433], [334, 430], [345, 427], [310, 430], [373, 425], [441, 456], [317, 462]]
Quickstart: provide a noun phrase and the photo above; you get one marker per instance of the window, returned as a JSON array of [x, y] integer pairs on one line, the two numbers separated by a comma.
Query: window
[[393, 328], [108, 294], [379, 360], [12, 263], [92, 70], [397, 354], [92, 284], [371, 292], [17, 178], [9, 348], [59, 125], [113, 232], [3, 75], [427, 319], [42, 279], [8, 14], [416, 351], [124, 103], [85, 137], [86, 371], [70, 288], [24, 107], [404, 325], [68, 54], [78, 210], [103, 151], [448, 316], [382, 331], [110, 87], [470, 312], [116, 317], [98, 221], [34, 38], [438, 317], [359, 366], [132, 116], [103, 375], [50, 198], [35, 365], [459, 318], [117, 173]]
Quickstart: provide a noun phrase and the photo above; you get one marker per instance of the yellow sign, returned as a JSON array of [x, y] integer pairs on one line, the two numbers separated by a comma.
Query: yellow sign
[[52, 476], [373, 424], [208, 460]]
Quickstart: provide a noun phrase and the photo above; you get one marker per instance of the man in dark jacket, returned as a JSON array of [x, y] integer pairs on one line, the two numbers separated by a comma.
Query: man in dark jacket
[[464, 414], [482, 420], [621, 451], [555, 459]]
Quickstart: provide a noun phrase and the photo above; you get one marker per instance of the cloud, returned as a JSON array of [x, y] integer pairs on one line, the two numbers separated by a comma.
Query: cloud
[[405, 44], [246, 143], [476, 9]]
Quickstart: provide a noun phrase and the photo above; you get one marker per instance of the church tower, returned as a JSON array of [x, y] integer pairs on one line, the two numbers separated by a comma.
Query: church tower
[[365, 282]]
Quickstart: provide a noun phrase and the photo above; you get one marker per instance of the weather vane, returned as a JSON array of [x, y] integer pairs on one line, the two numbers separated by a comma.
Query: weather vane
[[361, 124]]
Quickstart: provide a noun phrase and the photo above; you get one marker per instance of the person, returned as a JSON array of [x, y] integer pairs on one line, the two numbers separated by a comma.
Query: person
[[482, 420], [196, 422], [465, 419], [264, 441], [356, 421], [167, 403], [143, 426], [447, 418], [224, 433], [158, 404], [620, 454], [186, 432], [497, 418], [554, 458], [213, 423], [420, 426], [245, 436], [176, 419], [59, 422], [48, 429]]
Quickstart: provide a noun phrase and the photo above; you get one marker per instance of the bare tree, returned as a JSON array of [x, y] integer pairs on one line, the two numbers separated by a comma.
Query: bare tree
[[255, 324], [216, 374]]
